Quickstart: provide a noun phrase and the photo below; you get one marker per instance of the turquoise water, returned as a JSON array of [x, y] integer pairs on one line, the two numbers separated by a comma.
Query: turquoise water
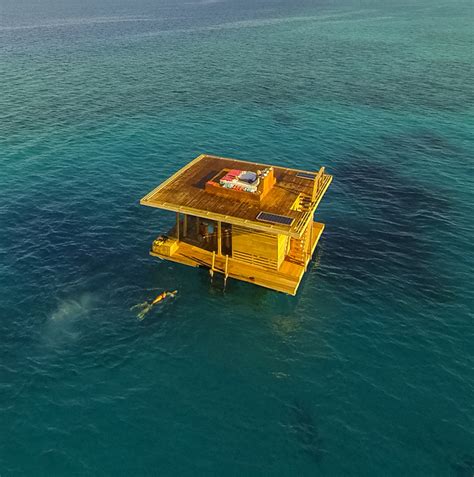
[[368, 371]]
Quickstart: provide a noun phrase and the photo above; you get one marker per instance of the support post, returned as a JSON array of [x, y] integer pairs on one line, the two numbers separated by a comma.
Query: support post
[[177, 225], [185, 225], [219, 238]]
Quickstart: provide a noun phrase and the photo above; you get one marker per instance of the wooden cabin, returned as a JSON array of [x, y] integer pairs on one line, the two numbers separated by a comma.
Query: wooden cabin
[[252, 222]]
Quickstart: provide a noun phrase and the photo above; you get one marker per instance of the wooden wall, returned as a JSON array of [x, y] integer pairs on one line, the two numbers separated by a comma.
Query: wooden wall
[[283, 247], [258, 248]]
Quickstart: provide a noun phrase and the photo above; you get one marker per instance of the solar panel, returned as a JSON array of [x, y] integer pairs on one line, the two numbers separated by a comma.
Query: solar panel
[[306, 175], [274, 218]]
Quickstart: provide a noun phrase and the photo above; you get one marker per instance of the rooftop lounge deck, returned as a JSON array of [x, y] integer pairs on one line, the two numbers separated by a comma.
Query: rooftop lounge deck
[[185, 192]]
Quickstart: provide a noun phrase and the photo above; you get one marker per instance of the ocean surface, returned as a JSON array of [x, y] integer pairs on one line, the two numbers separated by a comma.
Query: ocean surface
[[369, 371]]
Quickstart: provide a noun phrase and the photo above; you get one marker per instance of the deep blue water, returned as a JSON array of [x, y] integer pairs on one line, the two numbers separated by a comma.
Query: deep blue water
[[368, 371]]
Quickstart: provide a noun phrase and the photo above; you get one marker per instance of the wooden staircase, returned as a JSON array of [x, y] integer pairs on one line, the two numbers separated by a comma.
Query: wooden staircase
[[298, 249], [305, 203]]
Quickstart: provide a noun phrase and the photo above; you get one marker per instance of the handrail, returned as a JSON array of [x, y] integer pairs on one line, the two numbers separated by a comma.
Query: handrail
[[211, 271], [318, 183], [226, 274]]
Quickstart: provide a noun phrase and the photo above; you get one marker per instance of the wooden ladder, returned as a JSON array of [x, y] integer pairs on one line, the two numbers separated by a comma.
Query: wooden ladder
[[225, 271]]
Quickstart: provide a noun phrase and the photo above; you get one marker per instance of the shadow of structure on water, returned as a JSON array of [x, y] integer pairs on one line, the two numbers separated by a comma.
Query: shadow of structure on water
[[306, 431]]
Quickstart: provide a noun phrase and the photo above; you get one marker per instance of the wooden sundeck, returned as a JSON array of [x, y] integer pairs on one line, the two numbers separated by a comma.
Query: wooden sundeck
[[286, 279], [248, 221], [185, 192]]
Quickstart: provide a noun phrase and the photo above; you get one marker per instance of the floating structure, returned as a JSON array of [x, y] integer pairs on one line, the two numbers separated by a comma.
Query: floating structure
[[252, 222]]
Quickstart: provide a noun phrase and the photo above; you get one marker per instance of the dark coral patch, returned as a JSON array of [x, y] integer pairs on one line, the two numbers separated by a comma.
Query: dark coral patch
[[306, 431], [392, 234]]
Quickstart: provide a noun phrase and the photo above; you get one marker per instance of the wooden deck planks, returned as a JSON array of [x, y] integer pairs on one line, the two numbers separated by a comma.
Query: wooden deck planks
[[184, 191]]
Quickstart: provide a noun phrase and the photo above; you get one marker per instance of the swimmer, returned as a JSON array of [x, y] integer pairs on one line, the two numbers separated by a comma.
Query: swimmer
[[163, 295], [146, 306]]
